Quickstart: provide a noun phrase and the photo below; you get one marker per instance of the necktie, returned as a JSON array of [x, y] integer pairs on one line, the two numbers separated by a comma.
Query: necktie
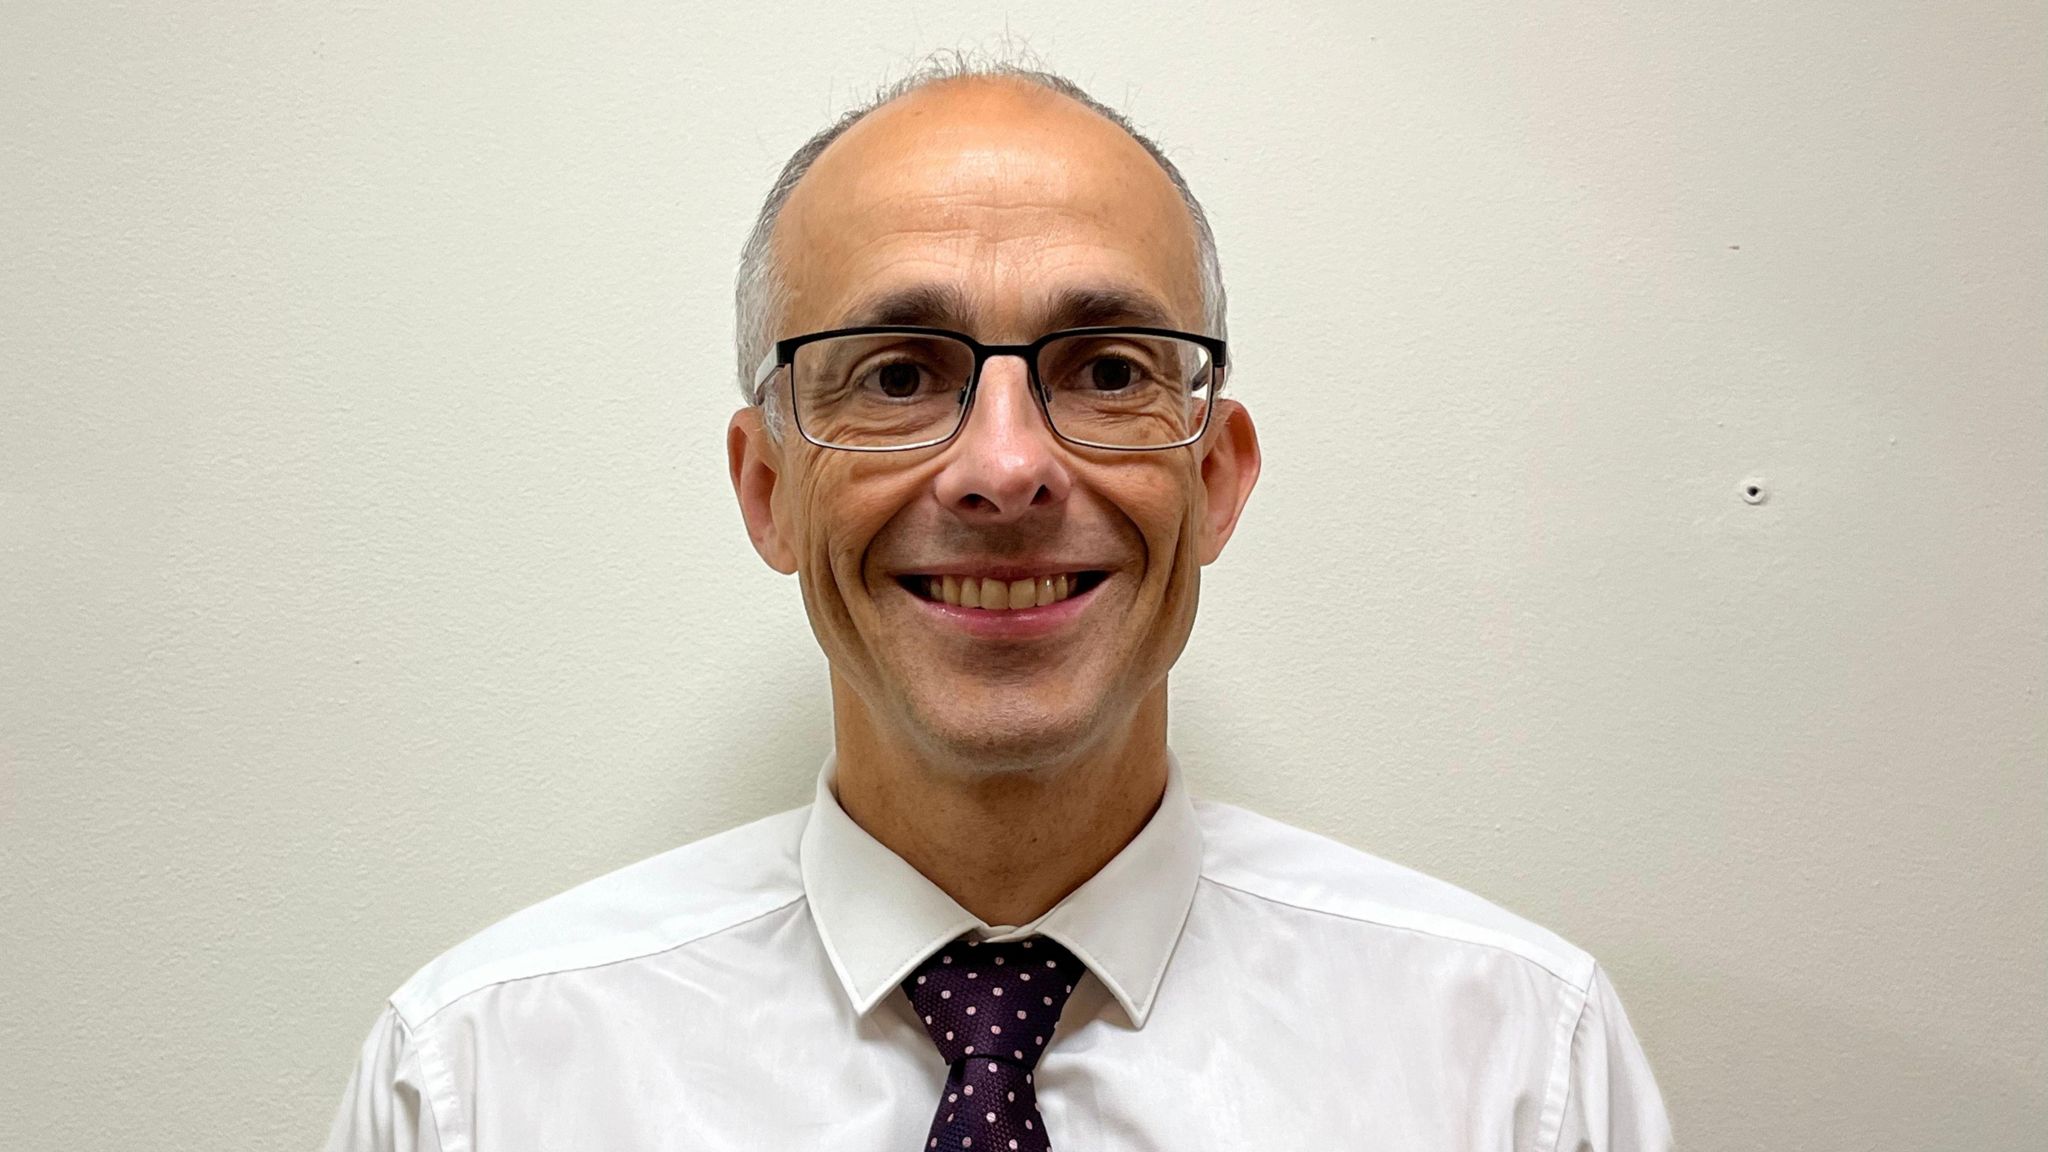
[[991, 1008]]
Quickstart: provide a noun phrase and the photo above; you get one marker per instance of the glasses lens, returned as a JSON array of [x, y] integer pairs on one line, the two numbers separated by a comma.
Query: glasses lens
[[890, 390], [1126, 390]]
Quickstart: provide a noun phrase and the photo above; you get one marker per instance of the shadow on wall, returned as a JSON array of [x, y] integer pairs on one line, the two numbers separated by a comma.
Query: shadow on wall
[[763, 760], [1775, 1052]]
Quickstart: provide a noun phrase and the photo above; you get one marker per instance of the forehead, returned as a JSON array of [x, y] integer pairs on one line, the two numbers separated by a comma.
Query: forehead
[[995, 193]]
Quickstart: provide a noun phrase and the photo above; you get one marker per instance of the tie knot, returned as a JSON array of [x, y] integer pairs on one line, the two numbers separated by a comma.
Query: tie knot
[[993, 1001]]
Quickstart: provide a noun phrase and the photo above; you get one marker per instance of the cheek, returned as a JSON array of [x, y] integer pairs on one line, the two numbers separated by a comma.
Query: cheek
[[1165, 505], [812, 512], [840, 505], [816, 527]]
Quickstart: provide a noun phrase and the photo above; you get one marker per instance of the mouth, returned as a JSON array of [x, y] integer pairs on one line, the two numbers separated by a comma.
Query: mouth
[[994, 594]]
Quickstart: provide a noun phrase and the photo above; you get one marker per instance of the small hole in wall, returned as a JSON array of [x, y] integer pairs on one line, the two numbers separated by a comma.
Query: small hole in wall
[[1753, 492]]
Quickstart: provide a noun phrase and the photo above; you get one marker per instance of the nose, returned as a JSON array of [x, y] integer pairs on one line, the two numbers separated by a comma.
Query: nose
[[1005, 462]]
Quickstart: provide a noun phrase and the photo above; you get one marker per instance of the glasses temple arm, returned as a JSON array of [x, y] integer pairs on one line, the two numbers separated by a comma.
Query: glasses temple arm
[[762, 374]]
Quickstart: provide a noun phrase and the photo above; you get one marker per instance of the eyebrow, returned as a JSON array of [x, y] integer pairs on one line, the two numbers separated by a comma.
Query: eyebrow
[[946, 306], [1091, 307], [925, 305]]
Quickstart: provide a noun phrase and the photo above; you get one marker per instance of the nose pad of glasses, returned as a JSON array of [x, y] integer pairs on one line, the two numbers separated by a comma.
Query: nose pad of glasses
[[1032, 387]]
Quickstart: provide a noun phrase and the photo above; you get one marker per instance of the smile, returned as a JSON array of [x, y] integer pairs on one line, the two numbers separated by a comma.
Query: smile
[[990, 594]]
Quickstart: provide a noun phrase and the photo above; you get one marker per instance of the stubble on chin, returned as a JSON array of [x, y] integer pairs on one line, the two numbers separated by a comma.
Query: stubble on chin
[[986, 737]]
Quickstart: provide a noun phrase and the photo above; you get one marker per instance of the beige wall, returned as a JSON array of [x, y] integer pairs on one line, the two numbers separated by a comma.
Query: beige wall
[[367, 569]]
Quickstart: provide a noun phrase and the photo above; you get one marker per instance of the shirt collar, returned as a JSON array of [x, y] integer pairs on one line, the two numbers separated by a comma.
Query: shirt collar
[[879, 917]]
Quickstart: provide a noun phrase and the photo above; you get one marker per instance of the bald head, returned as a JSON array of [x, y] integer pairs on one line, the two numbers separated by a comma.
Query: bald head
[[989, 200], [982, 163]]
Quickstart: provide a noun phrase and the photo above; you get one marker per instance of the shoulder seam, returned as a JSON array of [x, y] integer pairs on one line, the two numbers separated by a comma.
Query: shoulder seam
[[1539, 957], [468, 989], [434, 1081], [1569, 1022]]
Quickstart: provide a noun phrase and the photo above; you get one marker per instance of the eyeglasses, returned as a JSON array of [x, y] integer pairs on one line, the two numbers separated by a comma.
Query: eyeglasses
[[887, 388]]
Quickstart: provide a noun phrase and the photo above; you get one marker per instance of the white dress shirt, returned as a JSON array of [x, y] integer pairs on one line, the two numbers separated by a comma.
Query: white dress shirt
[[1251, 986]]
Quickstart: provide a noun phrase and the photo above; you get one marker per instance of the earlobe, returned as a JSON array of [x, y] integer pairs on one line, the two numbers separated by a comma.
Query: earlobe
[[1230, 467], [755, 461]]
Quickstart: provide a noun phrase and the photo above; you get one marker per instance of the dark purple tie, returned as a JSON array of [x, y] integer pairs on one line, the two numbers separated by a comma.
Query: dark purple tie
[[991, 1009]]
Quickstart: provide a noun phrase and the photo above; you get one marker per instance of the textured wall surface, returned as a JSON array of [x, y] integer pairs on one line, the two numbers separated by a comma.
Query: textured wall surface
[[368, 570]]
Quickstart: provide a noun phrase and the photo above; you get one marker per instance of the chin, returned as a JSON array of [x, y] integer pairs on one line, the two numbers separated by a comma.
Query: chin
[[1005, 739]]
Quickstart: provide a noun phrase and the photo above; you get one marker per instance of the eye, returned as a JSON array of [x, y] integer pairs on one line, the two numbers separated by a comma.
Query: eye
[[898, 381], [1111, 374], [903, 378]]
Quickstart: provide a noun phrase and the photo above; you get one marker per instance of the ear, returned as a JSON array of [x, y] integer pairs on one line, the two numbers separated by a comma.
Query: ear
[[755, 458], [1230, 466]]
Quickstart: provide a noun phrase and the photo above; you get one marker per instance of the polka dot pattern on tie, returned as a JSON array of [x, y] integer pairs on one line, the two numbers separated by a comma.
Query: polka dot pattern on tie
[[967, 996]]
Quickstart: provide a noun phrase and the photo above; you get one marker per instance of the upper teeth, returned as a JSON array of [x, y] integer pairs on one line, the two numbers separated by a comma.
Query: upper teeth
[[993, 595]]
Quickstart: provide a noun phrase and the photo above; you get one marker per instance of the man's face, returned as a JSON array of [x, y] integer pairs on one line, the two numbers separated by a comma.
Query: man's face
[[1002, 211]]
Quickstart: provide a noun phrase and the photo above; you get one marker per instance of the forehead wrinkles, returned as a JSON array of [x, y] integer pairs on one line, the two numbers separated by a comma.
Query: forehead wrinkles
[[956, 201], [1004, 258]]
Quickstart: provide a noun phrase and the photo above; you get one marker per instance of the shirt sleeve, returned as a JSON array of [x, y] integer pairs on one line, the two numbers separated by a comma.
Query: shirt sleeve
[[385, 1108], [1611, 1102]]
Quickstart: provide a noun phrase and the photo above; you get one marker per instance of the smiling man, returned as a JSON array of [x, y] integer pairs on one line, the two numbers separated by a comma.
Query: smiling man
[[981, 335]]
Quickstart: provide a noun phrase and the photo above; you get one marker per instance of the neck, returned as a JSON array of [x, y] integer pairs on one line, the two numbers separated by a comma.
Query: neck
[[1008, 845]]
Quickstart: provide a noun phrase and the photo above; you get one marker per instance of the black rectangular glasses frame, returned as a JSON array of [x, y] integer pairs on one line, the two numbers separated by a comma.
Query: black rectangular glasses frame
[[784, 355]]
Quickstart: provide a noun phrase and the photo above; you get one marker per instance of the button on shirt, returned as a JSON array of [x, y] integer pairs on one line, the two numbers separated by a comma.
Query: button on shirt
[[1249, 986]]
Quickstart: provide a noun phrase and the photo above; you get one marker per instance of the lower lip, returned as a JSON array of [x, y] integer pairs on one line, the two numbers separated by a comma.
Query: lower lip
[[1014, 624]]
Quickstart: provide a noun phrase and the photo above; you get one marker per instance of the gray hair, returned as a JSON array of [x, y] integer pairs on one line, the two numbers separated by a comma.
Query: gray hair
[[760, 295]]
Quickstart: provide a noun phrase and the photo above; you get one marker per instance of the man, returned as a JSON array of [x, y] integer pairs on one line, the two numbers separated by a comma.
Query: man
[[981, 331]]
